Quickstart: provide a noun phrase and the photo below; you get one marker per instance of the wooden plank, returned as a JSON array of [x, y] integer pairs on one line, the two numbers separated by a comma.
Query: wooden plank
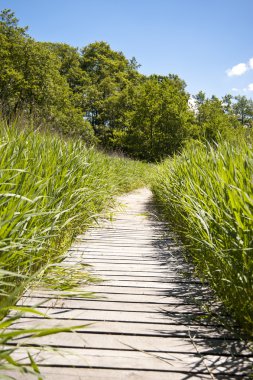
[[86, 252], [113, 258], [138, 235], [117, 297], [122, 316], [116, 257], [118, 266], [96, 358], [142, 343], [136, 240], [145, 279], [129, 328], [126, 228], [139, 288], [114, 342], [149, 284], [139, 250], [109, 305], [131, 267], [65, 373], [125, 290], [141, 275], [119, 260]]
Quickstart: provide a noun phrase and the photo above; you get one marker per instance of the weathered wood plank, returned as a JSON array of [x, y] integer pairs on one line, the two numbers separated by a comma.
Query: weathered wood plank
[[133, 277], [146, 343], [129, 267], [66, 373], [141, 290], [129, 328], [122, 316], [109, 305], [120, 261], [155, 299], [141, 274], [97, 358], [115, 342], [149, 284]]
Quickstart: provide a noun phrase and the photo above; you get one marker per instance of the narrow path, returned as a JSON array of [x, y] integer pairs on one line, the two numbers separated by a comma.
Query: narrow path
[[145, 322]]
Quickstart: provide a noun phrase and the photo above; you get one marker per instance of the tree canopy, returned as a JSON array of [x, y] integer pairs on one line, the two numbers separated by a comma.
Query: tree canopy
[[99, 95]]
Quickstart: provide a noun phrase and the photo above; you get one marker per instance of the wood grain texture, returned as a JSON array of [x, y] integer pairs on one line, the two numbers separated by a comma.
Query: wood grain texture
[[147, 321]]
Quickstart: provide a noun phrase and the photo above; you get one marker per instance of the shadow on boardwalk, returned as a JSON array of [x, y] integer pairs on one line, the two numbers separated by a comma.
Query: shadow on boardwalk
[[221, 337]]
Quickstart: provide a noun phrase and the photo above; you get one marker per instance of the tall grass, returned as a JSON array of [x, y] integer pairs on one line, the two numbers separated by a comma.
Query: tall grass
[[207, 193], [50, 190]]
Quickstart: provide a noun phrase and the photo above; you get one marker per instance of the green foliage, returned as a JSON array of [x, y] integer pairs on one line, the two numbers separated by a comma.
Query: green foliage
[[110, 75], [243, 109], [9, 23], [31, 83], [145, 117], [200, 98], [227, 103], [158, 120], [213, 118], [207, 194], [70, 68]]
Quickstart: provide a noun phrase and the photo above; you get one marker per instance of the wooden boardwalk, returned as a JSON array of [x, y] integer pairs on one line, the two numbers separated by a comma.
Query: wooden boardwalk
[[145, 322]]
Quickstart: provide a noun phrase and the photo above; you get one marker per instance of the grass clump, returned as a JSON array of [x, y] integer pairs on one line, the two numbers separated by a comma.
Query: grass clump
[[207, 193]]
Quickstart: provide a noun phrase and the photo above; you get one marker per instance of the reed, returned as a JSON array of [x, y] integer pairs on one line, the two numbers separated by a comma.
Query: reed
[[207, 192]]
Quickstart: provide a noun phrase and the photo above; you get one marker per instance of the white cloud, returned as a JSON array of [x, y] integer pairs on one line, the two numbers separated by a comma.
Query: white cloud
[[192, 104], [245, 89], [237, 70], [240, 68], [251, 63]]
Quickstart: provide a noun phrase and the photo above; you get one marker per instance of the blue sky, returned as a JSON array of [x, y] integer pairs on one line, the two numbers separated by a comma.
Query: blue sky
[[208, 43]]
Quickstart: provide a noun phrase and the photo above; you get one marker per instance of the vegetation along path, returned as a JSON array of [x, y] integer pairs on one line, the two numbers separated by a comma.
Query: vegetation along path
[[144, 322]]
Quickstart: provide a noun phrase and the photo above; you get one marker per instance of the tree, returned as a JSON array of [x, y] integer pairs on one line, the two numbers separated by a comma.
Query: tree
[[9, 24], [213, 120], [70, 68], [227, 103], [243, 109], [31, 82], [110, 75], [200, 98], [158, 119]]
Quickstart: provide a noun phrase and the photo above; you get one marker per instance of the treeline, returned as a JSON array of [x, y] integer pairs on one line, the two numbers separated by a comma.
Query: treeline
[[99, 95]]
